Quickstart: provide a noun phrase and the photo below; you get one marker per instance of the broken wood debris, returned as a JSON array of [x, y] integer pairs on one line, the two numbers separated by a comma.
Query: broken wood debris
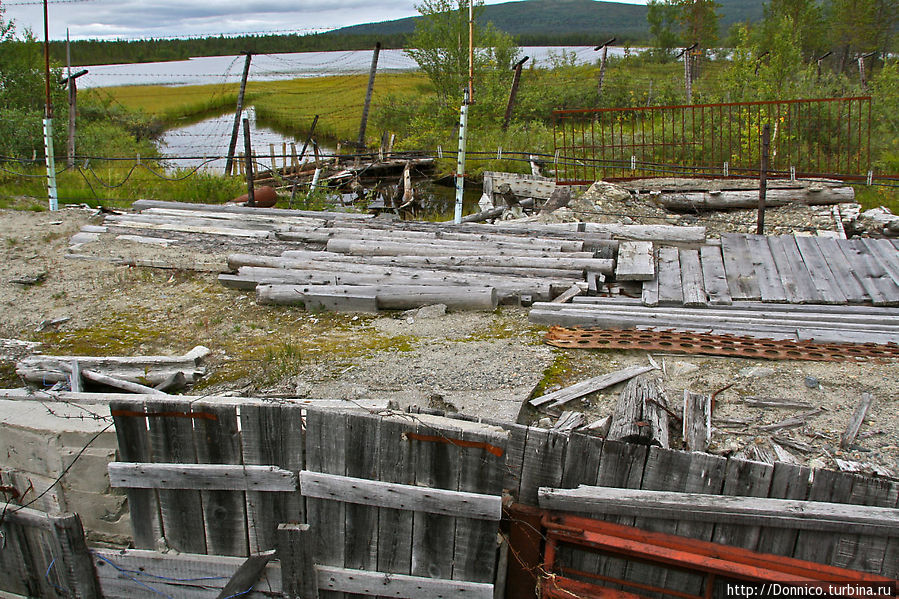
[[775, 402], [569, 421], [792, 422], [855, 424], [697, 421], [641, 415], [572, 392]]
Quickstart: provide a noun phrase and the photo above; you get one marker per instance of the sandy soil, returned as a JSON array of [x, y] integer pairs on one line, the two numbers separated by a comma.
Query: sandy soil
[[480, 364]]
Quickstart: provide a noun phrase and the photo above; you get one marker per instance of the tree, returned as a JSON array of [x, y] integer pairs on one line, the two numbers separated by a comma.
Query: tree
[[699, 22], [861, 26], [439, 45], [805, 17], [663, 17]]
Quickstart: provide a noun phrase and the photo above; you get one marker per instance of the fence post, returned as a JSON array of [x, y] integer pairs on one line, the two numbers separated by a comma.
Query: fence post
[[243, 88], [602, 64], [763, 178], [371, 86], [248, 158], [76, 558], [298, 580], [516, 78], [460, 160]]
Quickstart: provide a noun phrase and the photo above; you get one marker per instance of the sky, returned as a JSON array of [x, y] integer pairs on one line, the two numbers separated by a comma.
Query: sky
[[86, 19]]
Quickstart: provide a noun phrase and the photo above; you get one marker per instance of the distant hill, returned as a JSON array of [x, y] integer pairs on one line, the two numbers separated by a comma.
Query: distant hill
[[536, 19]]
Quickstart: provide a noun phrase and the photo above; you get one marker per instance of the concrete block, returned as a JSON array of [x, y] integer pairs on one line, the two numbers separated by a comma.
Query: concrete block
[[88, 473], [30, 451], [102, 514], [30, 486]]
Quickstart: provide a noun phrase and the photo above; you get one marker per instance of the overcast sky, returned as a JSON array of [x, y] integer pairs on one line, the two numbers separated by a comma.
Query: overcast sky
[[155, 18]]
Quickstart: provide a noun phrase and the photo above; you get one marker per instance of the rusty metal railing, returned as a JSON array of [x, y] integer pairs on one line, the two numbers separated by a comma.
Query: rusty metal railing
[[828, 137]]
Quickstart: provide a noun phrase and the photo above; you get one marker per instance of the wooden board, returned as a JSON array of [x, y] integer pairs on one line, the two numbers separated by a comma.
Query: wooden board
[[224, 513], [361, 520], [796, 282], [581, 467], [692, 279], [134, 446], [395, 526], [886, 255], [745, 479], [272, 435], [841, 269], [741, 278], [828, 486], [787, 482], [670, 286], [635, 261], [877, 282], [770, 286], [713, 275], [544, 455], [398, 586], [171, 439], [820, 272], [201, 477], [866, 552]]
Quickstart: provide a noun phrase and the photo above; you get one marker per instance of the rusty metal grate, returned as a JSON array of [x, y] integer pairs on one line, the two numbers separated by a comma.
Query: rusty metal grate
[[809, 138], [718, 345]]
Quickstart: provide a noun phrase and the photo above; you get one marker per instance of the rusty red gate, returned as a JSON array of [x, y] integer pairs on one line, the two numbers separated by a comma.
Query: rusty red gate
[[828, 137]]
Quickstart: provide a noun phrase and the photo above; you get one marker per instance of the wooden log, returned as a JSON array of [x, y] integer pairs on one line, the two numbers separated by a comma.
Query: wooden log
[[119, 383], [356, 247], [388, 297], [640, 414], [735, 199], [343, 216], [588, 386], [754, 511], [403, 497], [635, 261], [855, 424], [660, 233], [775, 402], [697, 429], [569, 293], [684, 184], [203, 477]]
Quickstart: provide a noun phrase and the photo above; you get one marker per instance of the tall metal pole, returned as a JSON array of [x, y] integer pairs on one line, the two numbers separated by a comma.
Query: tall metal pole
[[763, 179], [243, 88], [460, 162], [470, 52], [516, 78], [48, 121], [368, 93], [73, 91]]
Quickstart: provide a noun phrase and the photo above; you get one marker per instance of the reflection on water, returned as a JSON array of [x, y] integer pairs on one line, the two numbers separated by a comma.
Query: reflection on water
[[188, 146]]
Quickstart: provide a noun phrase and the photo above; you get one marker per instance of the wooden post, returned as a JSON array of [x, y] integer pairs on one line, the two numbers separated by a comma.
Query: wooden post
[[71, 83], [516, 78], [820, 59], [763, 178], [271, 151], [308, 138], [294, 160], [298, 579], [371, 87], [688, 73], [76, 561], [861, 69], [602, 64], [248, 158], [240, 95]]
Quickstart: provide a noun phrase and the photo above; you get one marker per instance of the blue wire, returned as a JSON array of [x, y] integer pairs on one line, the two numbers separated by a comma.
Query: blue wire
[[47, 576], [141, 573], [125, 572], [241, 593]]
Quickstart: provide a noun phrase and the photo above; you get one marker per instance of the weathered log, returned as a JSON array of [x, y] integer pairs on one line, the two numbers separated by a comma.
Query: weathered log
[[667, 233], [732, 200], [684, 184], [150, 370], [494, 212], [640, 414], [388, 297], [144, 204], [355, 247]]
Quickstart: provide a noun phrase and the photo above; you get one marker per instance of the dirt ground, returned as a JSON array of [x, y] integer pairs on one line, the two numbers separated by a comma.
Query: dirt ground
[[481, 364]]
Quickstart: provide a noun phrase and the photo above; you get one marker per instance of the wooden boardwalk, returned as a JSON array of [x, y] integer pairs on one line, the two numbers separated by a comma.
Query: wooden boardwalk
[[779, 269]]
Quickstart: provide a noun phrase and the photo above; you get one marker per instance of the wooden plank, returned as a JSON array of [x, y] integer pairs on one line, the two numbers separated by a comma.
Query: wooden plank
[[827, 486], [437, 465], [713, 275], [885, 255], [848, 437], [822, 276], [794, 293], [171, 439], [17, 573], [788, 481], [360, 491], [398, 585], [635, 261], [873, 278], [841, 269], [326, 453], [650, 293], [482, 473], [247, 575], [891, 552], [746, 479], [272, 436], [298, 577], [544, 455], [671, 290], [75, 559], [741, 278], [697, 421], [361, 516], [395, 526], [691, 279], [201, 477], [515, 448], [770, 286], [807, 288], [224, 513], [588, 386], [866, 552], [134, 446]]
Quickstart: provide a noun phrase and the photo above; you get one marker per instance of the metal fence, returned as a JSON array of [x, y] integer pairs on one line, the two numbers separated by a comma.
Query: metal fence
[[828, 137]]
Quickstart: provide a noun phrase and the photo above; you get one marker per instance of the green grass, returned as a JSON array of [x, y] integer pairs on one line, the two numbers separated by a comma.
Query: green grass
[[875, 195]]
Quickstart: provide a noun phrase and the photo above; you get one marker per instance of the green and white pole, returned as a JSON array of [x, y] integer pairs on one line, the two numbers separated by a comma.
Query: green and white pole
[[51, 164], [460, 162]]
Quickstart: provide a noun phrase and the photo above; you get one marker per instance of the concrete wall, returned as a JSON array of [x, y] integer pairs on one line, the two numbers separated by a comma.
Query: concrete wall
[[39, 441]]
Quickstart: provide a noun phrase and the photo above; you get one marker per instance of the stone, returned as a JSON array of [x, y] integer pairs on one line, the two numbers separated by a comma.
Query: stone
[[602, 190], [812, 382], [681, 368], [433, 311]]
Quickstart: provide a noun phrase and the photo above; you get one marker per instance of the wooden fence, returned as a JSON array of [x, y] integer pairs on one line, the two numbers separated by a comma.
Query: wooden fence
[[397, 504]]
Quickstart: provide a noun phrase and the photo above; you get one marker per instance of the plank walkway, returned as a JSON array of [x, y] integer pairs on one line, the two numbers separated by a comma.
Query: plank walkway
[[779, 269]]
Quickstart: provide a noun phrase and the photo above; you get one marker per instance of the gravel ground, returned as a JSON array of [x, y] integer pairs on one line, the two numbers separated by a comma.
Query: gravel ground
[[482, 364]]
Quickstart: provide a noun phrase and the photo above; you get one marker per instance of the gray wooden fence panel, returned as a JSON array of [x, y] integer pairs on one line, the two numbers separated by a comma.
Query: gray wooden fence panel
[[171, 440], [16, 573], [787, 482], [544, 454], [437, 465], [475, 540], [326, 452], [272, 435], [224, 512], [748, 479], [134, 446], [891, 556], [581, 467], [362, 451], [866, 552], [395, 526], [830, 486]]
